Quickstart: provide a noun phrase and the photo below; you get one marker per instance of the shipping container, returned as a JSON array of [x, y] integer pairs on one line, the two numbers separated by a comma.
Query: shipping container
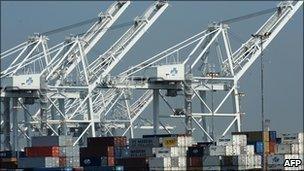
[[144, 142], [272, 136], [97, 152], [141, 152], [179, 162], [196, 151], [284, 148], [211, 160], [275, 159], [107, 141], [104, 168], [38, 162], [170, 152], [232, 150], [42, 151], [42, 141], [9, 154], [194, 161], [240, 140], [300, 137], [69, 151], [272, 147], [130, 164], [252, 136], [121, 152], [289, 138], [259, 147], [217, 150], [224, 142]]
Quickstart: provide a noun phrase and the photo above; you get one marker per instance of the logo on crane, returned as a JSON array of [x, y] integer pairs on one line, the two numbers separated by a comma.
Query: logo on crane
[[174, 71], [29, 81]]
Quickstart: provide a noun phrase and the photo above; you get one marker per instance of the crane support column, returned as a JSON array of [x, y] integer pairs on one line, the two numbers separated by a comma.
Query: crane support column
[[203, 110], [188, 103], [15, 124], [155, 110], [6, 125], [63, 123], [28, 125]]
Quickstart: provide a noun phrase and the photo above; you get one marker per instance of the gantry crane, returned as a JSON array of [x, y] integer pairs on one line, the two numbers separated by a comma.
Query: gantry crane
[[56, 94], [231, 67]]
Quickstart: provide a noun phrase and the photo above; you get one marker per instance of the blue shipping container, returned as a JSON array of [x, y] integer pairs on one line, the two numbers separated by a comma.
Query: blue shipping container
[[259, 147], [272, 136], [9, 154]]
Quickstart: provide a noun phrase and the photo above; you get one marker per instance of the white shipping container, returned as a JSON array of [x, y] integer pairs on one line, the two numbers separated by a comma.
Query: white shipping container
[[250, 149], [179, 162], [300, 137], [179, 168], [217, 150], [257, 161], [283, 148], [160, 162], [233, 150], [275, 159], [289, 138], [170, 152], [295, 148], [239, 140], [301, 147]]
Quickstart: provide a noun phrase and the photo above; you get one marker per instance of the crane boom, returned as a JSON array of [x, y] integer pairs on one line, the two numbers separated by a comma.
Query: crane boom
[[71, 58], [106, 62], [244, 57]]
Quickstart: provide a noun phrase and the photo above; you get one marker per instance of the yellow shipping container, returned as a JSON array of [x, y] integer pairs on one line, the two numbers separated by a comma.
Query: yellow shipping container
[[170, 142], [266, 136], [266, 145]]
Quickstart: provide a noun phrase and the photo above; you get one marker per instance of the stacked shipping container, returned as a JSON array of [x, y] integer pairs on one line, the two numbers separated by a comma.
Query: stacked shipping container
[[100, 153], [50, 152]]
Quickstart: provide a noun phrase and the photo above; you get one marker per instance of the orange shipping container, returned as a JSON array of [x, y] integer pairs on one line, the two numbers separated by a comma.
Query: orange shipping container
[[42, 151], [272, 147]]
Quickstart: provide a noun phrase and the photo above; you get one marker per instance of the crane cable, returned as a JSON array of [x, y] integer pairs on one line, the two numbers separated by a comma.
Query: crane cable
[[248, 16], [85, 22]]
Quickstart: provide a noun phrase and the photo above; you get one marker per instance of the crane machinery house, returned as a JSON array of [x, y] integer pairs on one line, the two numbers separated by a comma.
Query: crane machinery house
[[22, 82], [172, 72]]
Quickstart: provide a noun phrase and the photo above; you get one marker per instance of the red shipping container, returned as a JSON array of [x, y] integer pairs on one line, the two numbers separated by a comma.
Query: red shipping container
[[194, 161], [42, 151], [111, 161], [107, 141], [272, 147]]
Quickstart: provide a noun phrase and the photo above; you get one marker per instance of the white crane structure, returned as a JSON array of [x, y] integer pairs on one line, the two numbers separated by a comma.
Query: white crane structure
[[64, 103], [63, 91], [230, 67]]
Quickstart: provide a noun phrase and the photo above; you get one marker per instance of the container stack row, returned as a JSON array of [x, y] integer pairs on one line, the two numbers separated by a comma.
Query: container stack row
[[50, 152], [227, 154], [290, 146], [100, 153]]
